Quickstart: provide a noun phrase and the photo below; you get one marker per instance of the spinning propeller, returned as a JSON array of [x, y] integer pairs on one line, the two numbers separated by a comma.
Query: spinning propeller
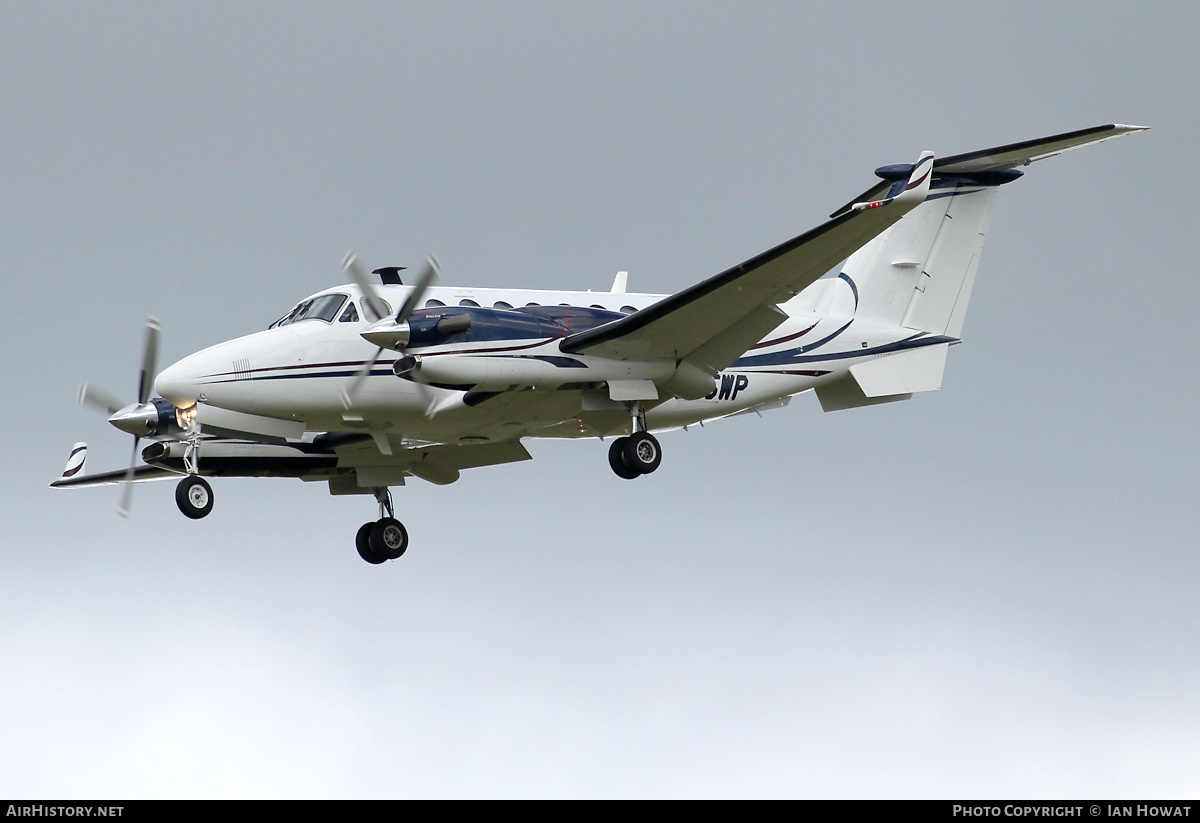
[[139, 419], [392, 333]]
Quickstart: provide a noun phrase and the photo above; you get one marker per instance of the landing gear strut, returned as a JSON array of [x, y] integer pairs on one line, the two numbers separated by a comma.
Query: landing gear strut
[[384, 539], [637, 454], [193, 495]]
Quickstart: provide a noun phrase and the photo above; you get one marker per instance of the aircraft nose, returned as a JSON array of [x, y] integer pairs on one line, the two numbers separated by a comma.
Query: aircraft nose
[[179, 383]]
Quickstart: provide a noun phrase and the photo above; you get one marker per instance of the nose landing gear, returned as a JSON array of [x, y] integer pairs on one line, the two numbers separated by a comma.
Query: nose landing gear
[[383, 539], [194, 496]]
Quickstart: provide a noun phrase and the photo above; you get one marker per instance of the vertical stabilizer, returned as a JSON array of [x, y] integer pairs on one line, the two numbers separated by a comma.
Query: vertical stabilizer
[[938, 304], [918, 274]]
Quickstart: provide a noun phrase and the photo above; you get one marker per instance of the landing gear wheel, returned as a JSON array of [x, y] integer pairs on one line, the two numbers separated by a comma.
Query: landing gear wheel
[[388, 538], [362, 541], [641, 452], [616, 459], [194, 497]]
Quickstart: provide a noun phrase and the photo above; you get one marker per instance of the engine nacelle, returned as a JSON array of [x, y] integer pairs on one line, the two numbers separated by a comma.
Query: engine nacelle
[[483, 372]]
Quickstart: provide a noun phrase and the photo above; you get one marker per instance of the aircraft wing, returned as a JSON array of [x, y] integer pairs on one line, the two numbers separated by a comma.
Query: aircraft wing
[[339, 457], [715, 321], [140, 474], [361, 466], [1011, 155]]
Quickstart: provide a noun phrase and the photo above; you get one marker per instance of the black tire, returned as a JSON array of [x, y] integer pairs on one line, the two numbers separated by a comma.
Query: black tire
[[389, 538], [194, 497], [616, 459], [362, 542], [641, 452]]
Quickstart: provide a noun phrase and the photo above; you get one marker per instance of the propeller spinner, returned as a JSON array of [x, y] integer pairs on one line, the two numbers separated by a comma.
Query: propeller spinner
[[140, 419], [390, 332]]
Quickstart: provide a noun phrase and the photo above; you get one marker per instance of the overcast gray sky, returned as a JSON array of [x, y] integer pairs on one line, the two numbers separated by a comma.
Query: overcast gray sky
[[986, 591]]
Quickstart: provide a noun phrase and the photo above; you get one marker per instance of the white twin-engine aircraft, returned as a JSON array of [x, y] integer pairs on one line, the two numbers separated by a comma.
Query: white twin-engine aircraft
[[346, 389]]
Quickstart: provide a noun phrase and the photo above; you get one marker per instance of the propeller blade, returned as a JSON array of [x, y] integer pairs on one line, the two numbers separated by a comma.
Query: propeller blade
[[431, 270], [359, 275], [351, 391], [353, 268], [425, 390], [89, 395], [125, 507], [149, 359]]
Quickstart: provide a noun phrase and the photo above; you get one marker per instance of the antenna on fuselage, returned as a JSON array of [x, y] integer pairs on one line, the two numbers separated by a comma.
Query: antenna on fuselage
[[390, 275]]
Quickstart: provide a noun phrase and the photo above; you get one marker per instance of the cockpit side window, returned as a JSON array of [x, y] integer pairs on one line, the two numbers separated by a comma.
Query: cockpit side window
[[289, 317], [350, 315]]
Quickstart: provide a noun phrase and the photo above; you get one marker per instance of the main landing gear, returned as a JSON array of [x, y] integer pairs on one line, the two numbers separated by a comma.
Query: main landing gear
[[637, 454], [384, 539]]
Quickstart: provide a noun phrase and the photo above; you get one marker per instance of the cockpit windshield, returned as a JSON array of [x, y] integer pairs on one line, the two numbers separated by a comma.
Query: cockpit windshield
[[324, 308]]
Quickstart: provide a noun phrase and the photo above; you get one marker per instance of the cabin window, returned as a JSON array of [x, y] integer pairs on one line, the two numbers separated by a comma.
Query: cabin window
[[573, 318], [434, 304], [471, 303], [500, 304]]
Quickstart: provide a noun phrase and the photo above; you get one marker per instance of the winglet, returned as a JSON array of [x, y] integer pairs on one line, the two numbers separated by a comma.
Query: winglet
[[76, 460], [911, 191]]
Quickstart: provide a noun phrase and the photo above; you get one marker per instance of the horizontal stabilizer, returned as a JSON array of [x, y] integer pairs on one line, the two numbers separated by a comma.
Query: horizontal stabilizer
[[1027, 151], [1002, 158]]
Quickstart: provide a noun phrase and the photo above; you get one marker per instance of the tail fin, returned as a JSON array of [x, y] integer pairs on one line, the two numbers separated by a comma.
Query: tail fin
[[918, 274]]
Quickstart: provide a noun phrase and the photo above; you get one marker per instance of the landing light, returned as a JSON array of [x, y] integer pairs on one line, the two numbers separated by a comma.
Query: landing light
[[185, 417]]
